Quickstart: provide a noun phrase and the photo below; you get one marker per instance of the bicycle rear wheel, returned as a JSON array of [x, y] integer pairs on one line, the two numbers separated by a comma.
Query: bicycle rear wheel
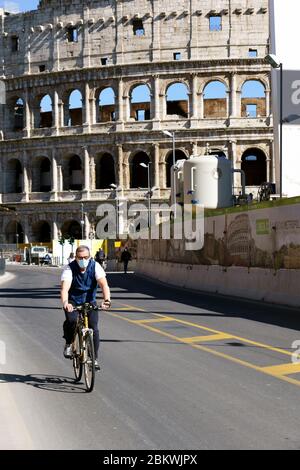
[[77, 363], [89, 362]]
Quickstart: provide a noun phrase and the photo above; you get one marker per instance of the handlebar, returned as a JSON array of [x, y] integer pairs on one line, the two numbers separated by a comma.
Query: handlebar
[[87, 306]]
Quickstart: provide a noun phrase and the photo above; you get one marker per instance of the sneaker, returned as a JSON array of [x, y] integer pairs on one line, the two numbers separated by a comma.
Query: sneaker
[[97, 366], [68, 353]]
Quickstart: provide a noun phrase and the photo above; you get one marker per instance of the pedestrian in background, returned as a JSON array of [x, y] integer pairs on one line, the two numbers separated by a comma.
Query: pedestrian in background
[[71, 258], [100, 258], [250, 198], [125, 258]]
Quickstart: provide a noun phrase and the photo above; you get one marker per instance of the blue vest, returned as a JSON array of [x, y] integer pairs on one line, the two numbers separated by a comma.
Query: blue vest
[[84, 285]]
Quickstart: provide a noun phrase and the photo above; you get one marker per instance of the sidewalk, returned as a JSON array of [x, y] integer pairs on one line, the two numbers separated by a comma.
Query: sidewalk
[[11, 419]]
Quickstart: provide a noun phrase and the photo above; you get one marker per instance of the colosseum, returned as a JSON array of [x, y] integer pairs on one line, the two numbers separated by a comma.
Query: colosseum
[[91, 87]]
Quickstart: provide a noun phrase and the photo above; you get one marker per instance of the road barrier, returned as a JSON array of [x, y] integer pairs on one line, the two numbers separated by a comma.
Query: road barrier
[[279, 287]]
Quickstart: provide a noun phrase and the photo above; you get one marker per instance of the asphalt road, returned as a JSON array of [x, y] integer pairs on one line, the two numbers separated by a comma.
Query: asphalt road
[[179, 371]]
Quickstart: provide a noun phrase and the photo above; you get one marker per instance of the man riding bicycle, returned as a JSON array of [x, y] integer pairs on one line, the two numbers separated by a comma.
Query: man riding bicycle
[[79, 283]]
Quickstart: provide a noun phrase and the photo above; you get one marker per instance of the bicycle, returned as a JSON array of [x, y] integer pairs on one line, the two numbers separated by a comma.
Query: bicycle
[[83, 347]]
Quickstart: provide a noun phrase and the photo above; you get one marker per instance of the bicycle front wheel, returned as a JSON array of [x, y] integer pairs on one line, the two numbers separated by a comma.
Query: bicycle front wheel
[[89, 362], [77, 358]]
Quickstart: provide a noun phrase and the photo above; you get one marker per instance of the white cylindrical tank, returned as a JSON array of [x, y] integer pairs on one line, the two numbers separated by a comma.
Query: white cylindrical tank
[[177, 181], [208, 181]]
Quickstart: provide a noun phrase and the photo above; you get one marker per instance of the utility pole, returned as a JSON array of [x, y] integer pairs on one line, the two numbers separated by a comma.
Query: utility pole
[[82, 222], [276, 63], [172, 135]]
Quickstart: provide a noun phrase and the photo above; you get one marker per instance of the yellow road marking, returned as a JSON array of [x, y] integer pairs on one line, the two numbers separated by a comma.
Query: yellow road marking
[[218, 332], [278, 372], [238, 338], [125, 309], [130, 308], [211, 351], [198, 339], [196, 346], [155, 320], [282, 369]]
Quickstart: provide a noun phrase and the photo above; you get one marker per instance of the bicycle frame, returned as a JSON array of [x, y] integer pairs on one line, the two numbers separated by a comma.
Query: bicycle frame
[[84, 358], [83, 319]]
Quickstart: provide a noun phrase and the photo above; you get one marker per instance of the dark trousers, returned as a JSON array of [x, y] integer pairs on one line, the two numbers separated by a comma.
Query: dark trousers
[[125, 266], [70, 326]]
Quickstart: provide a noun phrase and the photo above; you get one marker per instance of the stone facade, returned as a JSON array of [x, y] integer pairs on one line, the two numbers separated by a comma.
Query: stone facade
[[54, 160]]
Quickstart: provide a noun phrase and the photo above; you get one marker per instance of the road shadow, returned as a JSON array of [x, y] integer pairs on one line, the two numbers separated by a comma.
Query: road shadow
[[140, 289], [209, 304], [162, 341], [50, 383], [30, 293]]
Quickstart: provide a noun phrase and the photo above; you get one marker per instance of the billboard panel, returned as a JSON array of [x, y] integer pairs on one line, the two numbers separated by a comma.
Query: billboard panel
[[284, 25]]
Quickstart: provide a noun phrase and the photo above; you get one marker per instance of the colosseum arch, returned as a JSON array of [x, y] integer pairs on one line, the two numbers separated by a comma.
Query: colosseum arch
[[73, 108], [71, 228], [14, 176], [253, 98], [215, 100], [177, 100], [45, 117], [106, 105], [41, 175], [259, 79], [105, 171], [72, 173], [140, 102], [41, 232], [16, 105], [179, 155], [139, 174], [14, 232], [254, 164]]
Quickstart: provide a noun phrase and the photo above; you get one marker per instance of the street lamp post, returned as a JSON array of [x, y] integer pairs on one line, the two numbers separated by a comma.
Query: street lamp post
[[116, 190], [17, 232], [62, 243], [172, 135], [277, 64], [82, 222], [145, 165]]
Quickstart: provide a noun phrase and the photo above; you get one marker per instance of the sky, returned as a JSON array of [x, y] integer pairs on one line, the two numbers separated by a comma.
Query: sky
[[19, 5]]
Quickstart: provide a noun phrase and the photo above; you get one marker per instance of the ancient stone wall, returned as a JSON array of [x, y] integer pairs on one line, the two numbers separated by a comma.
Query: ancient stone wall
[[59, 153]]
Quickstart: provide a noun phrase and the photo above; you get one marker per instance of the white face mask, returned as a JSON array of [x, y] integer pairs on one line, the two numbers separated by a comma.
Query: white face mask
[[83, 263]]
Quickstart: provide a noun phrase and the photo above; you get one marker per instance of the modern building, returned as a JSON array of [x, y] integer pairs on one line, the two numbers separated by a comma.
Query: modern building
[[283, 41], [91, 85]]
